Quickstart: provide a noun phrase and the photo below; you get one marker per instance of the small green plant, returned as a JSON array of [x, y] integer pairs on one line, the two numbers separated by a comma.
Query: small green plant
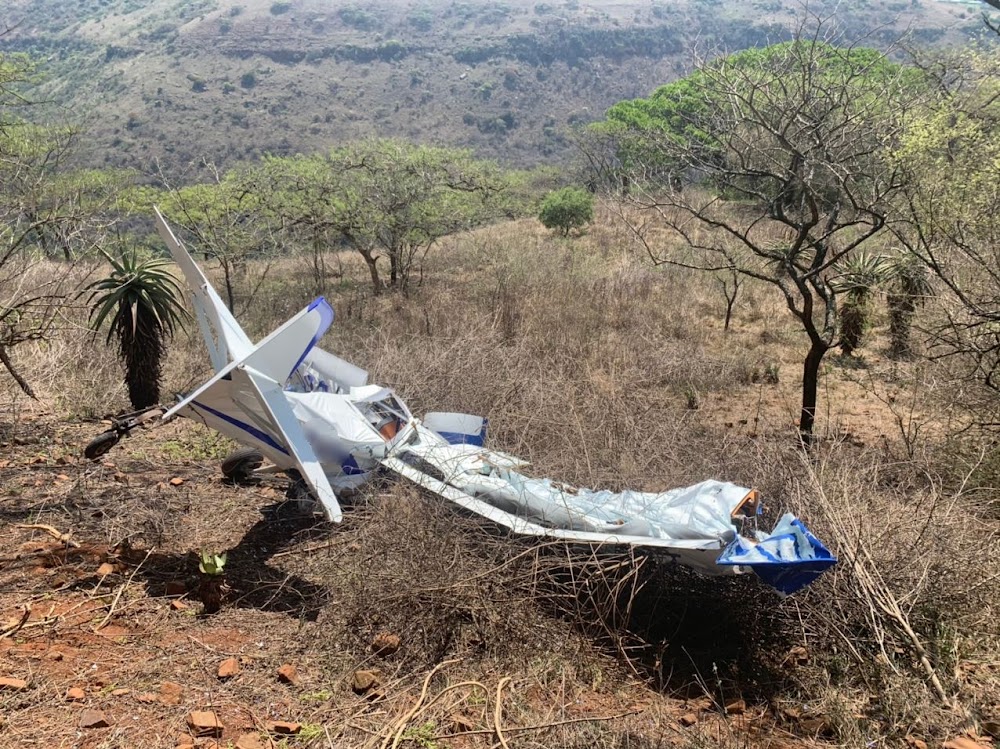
[[422, 735], [212, 564], [310, 732], [691, 399], [212, 568], [323, 695], [770, 374], [566, 209]]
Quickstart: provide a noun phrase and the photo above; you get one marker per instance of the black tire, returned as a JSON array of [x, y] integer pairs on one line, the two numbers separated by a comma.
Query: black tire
[[101, 444], [241, 464]]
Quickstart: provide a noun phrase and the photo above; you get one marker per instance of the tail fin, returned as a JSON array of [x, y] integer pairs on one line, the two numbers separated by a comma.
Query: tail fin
[[224, 337]]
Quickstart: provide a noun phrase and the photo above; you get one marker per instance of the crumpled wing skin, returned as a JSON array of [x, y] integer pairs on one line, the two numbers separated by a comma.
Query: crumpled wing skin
[[224, 337]]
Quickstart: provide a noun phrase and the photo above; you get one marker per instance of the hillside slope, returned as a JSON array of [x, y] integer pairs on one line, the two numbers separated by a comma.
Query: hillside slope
[[181, 80]]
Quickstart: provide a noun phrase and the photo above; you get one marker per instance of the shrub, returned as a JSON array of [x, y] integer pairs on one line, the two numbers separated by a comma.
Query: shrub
[[565, 209]]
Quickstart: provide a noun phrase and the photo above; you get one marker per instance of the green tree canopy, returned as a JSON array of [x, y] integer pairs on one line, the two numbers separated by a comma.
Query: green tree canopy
[[566, 209], [950, 155], [771, 163], [655, 138], [388, 199], [46, 210]]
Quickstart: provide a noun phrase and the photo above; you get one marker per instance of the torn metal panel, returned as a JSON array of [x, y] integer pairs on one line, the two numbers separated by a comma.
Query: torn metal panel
[[701, 526]]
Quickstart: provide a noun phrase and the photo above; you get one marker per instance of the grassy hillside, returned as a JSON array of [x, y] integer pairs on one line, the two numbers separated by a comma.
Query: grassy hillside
[[227, 80]]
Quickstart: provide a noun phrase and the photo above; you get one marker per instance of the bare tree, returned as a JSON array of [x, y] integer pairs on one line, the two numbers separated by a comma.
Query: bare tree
[[783, 152], [952, 217], [44, 210], [229, 219]]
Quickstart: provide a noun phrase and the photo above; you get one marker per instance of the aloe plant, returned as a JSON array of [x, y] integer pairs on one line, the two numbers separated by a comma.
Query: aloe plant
[[212, 568], [142, 301], [909, 288], [860, 278]]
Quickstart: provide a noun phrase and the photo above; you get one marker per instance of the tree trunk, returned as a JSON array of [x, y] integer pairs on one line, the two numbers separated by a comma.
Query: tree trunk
[[227, 275], [394, 268], [372, 263], [22, 383], [810, 386]]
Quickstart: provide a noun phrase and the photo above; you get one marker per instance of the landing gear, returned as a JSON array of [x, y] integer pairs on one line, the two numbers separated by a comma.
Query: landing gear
[[121, 426], [240, 465]]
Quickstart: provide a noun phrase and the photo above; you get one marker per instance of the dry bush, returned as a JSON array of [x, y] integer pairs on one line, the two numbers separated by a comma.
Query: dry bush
[[913, 582]]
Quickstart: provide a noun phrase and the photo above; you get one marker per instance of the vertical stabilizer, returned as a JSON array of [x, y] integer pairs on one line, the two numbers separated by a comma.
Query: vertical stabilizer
[[224, 337]]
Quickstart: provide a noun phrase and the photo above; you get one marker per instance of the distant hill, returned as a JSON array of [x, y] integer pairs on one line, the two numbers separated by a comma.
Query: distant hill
[[227, 80]]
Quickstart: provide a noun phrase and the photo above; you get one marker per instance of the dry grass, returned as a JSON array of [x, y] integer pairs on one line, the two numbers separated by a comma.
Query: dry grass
[[605, 372]]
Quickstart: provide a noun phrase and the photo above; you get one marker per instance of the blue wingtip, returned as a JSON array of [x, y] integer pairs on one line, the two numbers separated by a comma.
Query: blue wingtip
[[772, 563]]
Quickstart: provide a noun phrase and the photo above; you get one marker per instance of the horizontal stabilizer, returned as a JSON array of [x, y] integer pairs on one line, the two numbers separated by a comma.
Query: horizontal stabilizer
[[281, 353], [273, 397]]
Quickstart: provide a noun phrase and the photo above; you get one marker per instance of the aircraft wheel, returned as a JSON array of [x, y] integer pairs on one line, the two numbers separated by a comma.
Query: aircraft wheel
[[241, 464], [101, 444]]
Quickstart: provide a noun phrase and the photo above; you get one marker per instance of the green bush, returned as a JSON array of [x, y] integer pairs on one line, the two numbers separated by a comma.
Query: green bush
[[565, 209]]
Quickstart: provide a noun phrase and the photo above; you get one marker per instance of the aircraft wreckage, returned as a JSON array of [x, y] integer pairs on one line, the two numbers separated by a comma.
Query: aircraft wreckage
[[315, 417]]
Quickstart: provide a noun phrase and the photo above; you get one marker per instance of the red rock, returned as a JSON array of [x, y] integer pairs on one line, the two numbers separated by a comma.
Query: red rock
[[146, 697], [204, 723], [963, 742], [119, 692], [799, 655], [363, 681], [249, 741], [13, 685], [288, 674], [229, 668], [93, 719], [815, 725], [688, 719], [178, 605], [176, 481], [385, 644], [106, 569], [915, 743], [282, 727], [736, 707], [170, 693], [75, 694]]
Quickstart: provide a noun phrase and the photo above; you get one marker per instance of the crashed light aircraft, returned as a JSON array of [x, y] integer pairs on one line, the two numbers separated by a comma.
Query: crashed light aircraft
[[315, 417]]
